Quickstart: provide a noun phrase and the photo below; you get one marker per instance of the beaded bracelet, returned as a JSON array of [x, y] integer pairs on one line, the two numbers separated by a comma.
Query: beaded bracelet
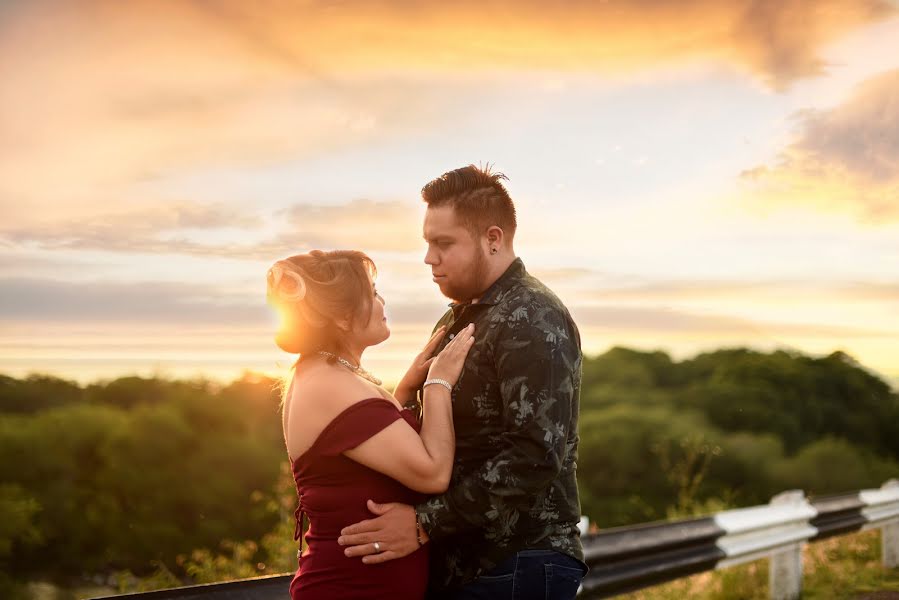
[[442, 382]]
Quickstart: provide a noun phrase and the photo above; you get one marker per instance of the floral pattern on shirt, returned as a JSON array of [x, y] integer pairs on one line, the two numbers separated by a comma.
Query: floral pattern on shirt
[[515, 410]]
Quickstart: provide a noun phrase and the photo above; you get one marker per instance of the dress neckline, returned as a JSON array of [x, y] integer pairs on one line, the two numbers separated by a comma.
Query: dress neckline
[[340, 415]]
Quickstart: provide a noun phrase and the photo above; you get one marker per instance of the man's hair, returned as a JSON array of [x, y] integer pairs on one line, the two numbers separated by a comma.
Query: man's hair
[[478, 197]]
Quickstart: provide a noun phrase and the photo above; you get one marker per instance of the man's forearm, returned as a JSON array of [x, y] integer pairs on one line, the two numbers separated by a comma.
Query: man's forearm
[[492, 493]]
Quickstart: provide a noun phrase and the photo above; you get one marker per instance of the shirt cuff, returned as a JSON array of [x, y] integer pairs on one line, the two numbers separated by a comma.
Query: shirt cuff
[[428, 513]]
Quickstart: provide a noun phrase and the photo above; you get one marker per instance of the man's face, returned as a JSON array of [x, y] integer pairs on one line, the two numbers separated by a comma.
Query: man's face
[[458, 261]]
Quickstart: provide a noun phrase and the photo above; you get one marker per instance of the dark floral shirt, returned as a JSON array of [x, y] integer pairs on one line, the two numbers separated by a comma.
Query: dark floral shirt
[[515, 410]]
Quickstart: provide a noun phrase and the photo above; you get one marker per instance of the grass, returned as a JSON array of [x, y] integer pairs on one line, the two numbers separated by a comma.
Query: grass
[[845, 567]]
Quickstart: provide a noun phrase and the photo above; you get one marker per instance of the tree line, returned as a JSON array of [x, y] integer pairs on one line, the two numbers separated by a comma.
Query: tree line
[[146, 474]]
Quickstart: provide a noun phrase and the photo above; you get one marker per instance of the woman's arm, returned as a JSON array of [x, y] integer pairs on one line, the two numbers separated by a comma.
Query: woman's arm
[[422, 462]]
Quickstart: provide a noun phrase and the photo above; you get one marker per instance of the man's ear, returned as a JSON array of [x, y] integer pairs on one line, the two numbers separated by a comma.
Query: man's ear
[[495, 236]]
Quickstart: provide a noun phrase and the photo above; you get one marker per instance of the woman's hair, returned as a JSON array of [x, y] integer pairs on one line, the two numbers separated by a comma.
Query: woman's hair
[[314, 292]]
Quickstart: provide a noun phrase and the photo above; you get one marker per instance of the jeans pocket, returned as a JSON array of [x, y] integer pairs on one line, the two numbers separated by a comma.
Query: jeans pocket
[[488, 587], [504, 578], [562, 582], [504, 571]]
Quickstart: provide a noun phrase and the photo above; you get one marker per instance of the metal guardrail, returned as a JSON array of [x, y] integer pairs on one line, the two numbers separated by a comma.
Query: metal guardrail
[[630, 558], [270, 587], [625, 559]]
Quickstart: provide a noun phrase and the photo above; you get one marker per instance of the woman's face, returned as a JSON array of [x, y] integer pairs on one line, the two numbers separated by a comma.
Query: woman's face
[[376, 331]]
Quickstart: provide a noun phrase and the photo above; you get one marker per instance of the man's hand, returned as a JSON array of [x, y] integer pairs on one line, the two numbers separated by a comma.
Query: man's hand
[[393, 529]]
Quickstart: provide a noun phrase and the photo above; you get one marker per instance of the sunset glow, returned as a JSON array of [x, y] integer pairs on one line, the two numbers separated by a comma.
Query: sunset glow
[[688, 175]]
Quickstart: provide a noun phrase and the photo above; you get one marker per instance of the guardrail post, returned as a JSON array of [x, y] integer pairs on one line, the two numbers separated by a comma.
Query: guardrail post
[[583, 525], [890, 541], [785, 566], [889, 535]]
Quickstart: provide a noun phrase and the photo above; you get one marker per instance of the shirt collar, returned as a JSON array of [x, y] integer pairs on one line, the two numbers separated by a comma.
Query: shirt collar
[[515, 273]]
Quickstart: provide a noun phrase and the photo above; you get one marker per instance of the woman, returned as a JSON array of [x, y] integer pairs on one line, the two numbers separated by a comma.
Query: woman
[[348, 439]]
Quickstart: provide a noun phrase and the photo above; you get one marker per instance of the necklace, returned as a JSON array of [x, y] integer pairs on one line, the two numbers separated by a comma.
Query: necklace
[[358, 370]]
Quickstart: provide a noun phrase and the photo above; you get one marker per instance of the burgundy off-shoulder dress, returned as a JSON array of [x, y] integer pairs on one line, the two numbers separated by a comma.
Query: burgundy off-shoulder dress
[[332, 490]]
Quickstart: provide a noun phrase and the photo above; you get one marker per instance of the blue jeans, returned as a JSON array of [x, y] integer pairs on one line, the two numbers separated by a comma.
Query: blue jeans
[[528, 575]]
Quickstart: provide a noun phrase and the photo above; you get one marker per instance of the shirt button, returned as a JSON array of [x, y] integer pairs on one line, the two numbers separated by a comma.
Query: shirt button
[[451, 336]]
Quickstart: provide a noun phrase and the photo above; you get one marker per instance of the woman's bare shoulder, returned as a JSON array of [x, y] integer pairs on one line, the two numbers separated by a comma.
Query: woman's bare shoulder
[[329, 390], [319, 394]]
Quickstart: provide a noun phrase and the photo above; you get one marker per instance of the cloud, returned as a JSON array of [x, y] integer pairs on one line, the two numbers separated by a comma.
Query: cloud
[[563, 274], [99, 95], [18, 263], [778, 41], [163, 228], [106, 152], [180, 228], [163, 302], [102, 102], [365, 224], [782, 39], [860, 135], [664, 322], [151, 220], [782, 291], [872, 291], [25, 300], [844, 159]]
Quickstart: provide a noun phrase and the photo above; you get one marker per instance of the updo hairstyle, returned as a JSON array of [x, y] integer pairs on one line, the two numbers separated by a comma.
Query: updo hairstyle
[[313, 292]]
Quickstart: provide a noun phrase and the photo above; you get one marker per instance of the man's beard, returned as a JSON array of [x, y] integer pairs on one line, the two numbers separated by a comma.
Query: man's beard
[[472, 286]]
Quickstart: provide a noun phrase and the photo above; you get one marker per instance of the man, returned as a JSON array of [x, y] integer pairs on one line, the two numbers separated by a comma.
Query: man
[[509, 518]]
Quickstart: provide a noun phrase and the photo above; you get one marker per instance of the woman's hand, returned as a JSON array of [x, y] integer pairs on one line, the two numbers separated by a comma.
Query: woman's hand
[[448, 364], [416, 374]]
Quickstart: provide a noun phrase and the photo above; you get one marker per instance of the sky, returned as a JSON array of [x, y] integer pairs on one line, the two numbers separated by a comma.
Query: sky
[[688, 175]]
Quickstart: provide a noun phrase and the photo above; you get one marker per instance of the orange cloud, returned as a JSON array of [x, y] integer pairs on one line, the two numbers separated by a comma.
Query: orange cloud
[[99, 95], [779, 291], [396, 225], [777, 40], [843, 159], [170, 228], [158, 228], [662, 321], [101, 100]]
